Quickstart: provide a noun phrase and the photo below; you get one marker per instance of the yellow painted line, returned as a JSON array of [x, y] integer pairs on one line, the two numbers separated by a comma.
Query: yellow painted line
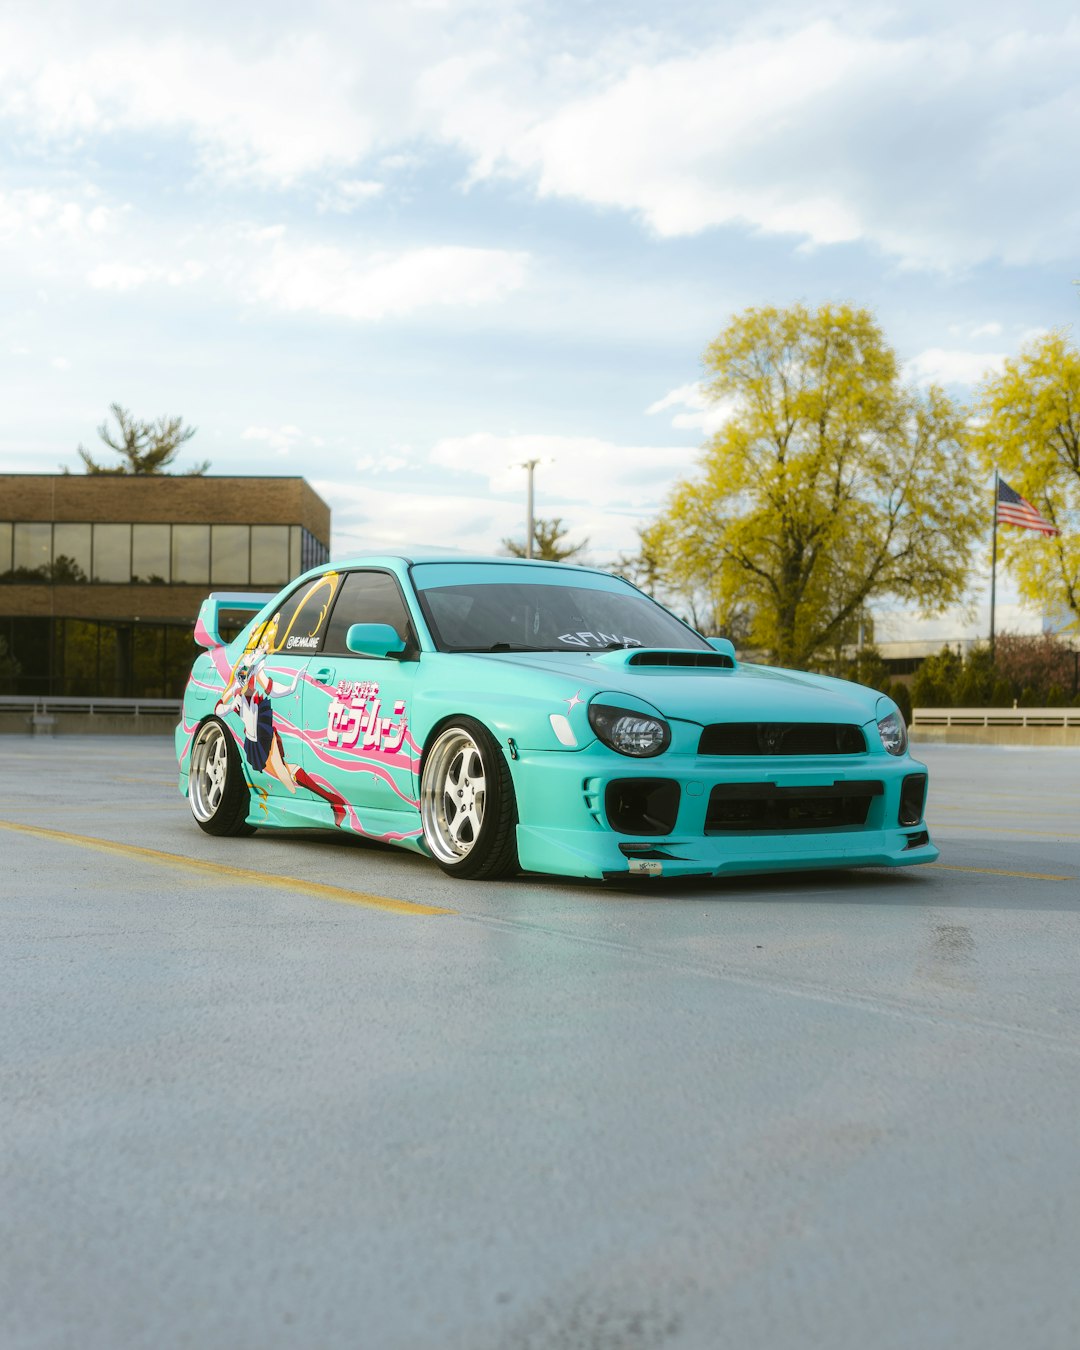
[[994, 872], [220, 870]]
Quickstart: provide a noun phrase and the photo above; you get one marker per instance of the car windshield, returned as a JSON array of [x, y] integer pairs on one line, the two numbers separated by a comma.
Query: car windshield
[[485, 607]]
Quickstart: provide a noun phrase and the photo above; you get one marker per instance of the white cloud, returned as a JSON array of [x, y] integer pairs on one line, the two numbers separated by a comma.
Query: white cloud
[[938, 365], [189, 271], [119, 276], [601, 491], [369, 519], [571, 468], [126, 276], [702, 413], [939, 142], [811, 131], [367, 287], [60, 363], [349, 194], [283, 440], [274, 113], [976, 330], [391, 461], [32, 213]]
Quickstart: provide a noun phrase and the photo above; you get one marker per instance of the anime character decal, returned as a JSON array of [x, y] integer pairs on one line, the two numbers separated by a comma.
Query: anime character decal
[[252, 687]]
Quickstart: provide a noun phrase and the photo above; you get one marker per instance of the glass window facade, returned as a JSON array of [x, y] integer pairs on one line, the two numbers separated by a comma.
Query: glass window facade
[[191, 555], [71, 553], [112, 553], [129, 657], [33, 550], [151, 553], [194, 555], [229, 546], [269, 555], [90, 658]]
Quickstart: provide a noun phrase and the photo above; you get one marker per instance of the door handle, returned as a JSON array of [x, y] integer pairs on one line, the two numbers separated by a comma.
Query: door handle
[[324, 675]]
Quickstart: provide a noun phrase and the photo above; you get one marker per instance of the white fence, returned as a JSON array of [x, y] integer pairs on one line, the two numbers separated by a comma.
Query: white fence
[[48, 706], [995, 717]]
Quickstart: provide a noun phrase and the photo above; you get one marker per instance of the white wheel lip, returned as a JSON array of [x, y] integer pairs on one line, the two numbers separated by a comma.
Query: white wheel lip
[[439, 832], [208, 771]]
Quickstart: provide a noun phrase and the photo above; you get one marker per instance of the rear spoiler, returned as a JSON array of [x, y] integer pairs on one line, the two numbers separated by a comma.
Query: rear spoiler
[[218, 603]]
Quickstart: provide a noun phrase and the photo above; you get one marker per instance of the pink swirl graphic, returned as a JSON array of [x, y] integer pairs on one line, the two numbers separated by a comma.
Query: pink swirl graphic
[[351, 764]]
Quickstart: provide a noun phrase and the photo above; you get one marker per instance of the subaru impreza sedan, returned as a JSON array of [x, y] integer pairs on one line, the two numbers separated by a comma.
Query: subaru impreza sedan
[[501, 715]]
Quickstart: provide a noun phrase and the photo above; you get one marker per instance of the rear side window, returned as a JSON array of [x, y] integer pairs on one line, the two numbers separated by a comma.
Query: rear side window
[[367, 597], [298, 626]]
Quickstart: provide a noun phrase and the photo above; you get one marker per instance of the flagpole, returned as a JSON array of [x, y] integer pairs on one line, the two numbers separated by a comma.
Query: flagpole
[[993, 569]]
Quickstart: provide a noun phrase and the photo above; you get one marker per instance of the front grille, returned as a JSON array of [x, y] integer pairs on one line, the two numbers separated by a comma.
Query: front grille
[[750, 807], [782, 738]]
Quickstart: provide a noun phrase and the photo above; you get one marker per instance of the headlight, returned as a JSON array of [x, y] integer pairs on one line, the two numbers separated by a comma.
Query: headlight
[[893, 732], [629, 732]]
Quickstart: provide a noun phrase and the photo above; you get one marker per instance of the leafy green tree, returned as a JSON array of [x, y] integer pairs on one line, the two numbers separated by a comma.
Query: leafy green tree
[[692, 592], [144, 447], [934, 683], [643, 569], [1033, 670], [976, 681], [549, 542], [1029, 429], [830, 484]]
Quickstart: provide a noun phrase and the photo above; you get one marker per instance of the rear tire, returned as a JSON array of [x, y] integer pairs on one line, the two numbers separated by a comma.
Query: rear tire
[[217, 791], [467, 804]]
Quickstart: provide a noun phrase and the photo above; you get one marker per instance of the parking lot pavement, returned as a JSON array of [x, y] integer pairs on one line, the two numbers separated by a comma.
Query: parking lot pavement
[[304, 1091]]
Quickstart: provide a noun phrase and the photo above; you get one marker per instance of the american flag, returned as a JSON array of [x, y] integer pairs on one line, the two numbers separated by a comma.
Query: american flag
[[1012, 509]]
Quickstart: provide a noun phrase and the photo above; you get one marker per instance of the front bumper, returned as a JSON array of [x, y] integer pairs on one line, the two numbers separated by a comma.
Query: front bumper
[[561, 797]]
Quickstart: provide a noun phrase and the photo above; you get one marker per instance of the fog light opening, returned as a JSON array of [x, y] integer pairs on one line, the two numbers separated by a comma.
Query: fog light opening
[[912, 799], [642, 806]]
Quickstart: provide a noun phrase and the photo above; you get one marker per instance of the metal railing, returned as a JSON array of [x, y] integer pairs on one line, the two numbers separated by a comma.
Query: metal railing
[[42, 705], [995, 717]]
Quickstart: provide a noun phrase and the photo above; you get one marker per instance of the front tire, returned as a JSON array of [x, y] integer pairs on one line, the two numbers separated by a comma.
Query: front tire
[[217, 792], [467, 804]]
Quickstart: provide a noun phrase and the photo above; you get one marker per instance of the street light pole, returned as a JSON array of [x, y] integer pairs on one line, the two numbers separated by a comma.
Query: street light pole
[[529, 465]]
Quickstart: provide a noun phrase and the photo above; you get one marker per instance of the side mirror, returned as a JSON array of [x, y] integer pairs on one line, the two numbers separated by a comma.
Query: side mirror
[[722, 645], [374, 639]]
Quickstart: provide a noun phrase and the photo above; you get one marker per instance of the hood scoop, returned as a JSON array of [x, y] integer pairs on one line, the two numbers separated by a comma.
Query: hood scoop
[[669, 657]]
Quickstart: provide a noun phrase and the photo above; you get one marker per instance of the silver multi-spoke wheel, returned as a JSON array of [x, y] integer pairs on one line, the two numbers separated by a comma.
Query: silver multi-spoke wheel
[[217, 791], [209, 770], [455, 790], [467, 803]]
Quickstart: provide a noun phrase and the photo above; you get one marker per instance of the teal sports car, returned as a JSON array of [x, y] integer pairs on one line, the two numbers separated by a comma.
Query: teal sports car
[[500, 715]]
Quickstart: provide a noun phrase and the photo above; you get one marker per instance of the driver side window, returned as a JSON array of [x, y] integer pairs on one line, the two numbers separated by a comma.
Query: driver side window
[[367, 597]]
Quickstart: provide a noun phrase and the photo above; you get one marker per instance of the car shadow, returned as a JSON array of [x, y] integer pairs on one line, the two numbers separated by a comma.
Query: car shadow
[[930, 886]]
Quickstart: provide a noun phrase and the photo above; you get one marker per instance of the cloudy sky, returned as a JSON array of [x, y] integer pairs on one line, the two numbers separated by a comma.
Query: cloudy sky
[[401, 248]]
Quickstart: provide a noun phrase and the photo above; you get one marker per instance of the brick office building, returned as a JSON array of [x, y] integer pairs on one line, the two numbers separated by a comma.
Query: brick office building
[[101, 576]]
